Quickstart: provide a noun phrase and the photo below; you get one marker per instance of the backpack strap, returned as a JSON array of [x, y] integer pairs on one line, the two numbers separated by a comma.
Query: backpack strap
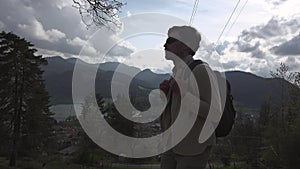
[[195, 63], [192, 66]]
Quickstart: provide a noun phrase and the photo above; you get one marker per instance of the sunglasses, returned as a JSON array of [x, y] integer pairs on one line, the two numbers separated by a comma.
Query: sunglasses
[[171, 40]]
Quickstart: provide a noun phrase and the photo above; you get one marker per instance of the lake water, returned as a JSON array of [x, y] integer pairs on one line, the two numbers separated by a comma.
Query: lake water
[[62, 111]]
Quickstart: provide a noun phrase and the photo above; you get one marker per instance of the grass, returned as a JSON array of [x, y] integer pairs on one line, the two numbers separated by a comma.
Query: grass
[[56, 163], [241, 165], [227, 167], [33, 164], [127, 168]]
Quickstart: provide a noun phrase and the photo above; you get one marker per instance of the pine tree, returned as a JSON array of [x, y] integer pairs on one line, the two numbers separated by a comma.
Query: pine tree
[[24, 102]]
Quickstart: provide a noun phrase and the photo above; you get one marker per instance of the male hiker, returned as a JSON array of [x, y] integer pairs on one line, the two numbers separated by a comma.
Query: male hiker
[[181, 45]]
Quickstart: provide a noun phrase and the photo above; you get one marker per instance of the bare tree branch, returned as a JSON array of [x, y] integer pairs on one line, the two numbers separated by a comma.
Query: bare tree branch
[[99, 12]]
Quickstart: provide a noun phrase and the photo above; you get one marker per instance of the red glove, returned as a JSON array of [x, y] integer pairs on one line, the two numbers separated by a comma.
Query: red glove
[[165, 86]]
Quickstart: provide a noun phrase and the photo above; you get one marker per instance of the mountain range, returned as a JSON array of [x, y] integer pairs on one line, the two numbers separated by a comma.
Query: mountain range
[[248, 90]]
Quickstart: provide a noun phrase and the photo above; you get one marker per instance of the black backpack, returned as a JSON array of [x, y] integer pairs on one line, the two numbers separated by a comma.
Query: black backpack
[[229, 113]]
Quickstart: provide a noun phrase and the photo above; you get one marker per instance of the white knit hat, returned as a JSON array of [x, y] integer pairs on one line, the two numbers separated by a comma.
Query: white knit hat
[[187, 35]]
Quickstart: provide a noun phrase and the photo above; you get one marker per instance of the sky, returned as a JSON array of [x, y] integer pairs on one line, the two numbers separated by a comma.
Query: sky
[[260, 35]]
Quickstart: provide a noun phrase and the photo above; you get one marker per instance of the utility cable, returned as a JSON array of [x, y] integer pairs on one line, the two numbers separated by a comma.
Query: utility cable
[[236, 18], [194, 11], [228, 21]]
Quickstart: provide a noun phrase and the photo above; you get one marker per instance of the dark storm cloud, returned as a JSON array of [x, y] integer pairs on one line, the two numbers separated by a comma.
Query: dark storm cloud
[[291, 47], [253, 49]]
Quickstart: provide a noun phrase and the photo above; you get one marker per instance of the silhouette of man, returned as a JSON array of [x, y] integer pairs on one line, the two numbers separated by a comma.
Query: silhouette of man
[[181, 45]]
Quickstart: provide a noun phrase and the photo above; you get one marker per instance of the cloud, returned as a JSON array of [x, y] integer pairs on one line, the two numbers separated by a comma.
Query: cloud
[[274, 35], [245, 47], [276, 2], [149, 59], [77, 41], [54, 26], [88, 49], [36, 30], [291, 47], [261, 48], [128, 13], [275, 27], [2, 25], [120, 51], [110, 45], [221, 47], [49, 53], [230, 65], [254, 50], [293, 63], [152, 5]]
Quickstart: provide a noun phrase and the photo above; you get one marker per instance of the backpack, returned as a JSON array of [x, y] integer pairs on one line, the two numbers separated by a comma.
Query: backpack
[[229, 113]]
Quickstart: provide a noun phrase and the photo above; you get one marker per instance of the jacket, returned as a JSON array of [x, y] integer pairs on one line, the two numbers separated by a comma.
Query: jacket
[[190, 144]]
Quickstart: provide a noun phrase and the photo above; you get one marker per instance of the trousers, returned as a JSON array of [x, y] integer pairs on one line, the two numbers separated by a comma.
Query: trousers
[[171, 160]]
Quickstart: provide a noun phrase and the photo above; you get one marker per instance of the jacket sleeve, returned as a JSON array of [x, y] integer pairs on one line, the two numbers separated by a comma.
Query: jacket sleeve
[[205, 86]]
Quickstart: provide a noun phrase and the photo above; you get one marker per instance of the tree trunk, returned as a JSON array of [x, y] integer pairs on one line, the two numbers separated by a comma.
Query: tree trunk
[[16, 125]]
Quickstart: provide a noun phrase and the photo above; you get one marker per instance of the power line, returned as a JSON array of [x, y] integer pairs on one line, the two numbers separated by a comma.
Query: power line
[[236, 17], [228, 20], [194, 11]]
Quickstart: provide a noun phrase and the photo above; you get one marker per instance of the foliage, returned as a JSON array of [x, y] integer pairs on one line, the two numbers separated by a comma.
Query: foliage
[[290, 147], [281, 125], [24, 103], [90, 153], [271, 141], [246, 141]]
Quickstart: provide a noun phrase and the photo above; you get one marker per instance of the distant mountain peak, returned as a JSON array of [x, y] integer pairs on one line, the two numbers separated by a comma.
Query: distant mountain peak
[[248, 89], [54, 58], [242, 73]]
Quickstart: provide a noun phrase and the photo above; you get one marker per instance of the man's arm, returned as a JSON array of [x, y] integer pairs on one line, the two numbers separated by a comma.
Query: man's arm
[[203, 86]]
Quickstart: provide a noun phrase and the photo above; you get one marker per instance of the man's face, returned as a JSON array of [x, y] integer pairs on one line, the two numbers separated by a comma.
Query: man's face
[[174, 49]]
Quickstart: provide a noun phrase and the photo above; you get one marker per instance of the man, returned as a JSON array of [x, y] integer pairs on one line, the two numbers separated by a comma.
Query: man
[[180, 47]]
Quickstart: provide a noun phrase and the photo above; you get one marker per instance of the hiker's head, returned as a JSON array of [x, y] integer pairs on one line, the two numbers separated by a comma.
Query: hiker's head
[[182, 41]]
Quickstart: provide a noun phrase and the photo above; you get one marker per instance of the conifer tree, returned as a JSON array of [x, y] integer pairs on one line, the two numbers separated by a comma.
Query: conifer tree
[[24, 104]]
